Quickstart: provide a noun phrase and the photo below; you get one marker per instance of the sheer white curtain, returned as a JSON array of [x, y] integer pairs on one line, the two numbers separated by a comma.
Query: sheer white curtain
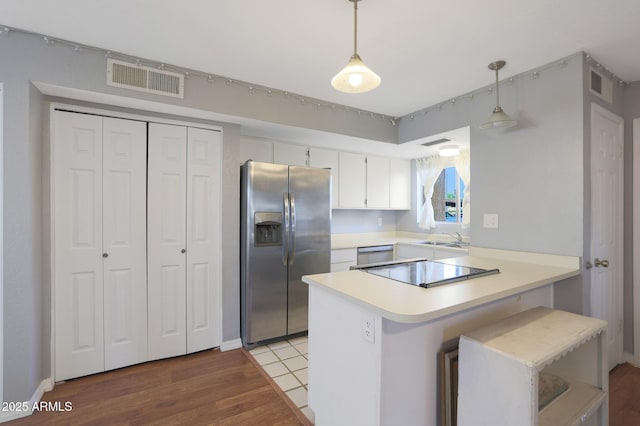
[[463, 166], [429, 170]]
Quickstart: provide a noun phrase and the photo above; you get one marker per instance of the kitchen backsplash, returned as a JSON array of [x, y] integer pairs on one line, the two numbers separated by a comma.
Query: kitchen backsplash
[[358, 221]]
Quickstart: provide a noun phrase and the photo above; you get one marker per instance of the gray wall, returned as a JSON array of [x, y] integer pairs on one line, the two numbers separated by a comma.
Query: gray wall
[[27, 291], [525, 171], [517, 173], [531, 175], [539, 170]]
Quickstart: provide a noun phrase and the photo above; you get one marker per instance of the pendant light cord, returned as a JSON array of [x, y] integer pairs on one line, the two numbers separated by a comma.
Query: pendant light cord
[[497, 90], [355, 27]]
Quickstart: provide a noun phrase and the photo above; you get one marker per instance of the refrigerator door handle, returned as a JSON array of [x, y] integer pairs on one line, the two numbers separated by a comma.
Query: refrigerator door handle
[[292, 250], [285, 229]]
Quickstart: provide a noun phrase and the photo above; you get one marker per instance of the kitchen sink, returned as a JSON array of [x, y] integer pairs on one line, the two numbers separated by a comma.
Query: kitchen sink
[[454, 244]]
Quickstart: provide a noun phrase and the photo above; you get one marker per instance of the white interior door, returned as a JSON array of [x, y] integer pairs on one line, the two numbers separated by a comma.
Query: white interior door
[[166, 255], [607, 225], [124, 241], [203, 239], [636, 241], [78, 264]]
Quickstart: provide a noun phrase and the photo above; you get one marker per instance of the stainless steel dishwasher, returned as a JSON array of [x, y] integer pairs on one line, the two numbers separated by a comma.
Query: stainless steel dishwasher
[[374, 254]]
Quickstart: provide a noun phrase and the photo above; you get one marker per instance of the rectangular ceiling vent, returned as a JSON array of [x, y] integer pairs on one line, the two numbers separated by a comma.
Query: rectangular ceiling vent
[[144, 79], [436, 142], [600, 85]]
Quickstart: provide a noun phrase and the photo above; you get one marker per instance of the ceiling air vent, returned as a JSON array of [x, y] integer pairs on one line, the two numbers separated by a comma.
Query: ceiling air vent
[[436, 142], [144, 79]]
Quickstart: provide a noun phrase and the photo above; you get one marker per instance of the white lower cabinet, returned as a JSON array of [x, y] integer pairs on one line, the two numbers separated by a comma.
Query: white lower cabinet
[[99, 242], [136, 244], [343, 259], [183, 259]]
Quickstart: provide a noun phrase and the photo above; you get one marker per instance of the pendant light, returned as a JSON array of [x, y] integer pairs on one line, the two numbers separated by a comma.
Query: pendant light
[[498, 118], [356, 77]]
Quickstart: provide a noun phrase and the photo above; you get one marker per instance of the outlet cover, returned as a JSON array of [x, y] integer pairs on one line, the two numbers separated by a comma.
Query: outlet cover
[[491, 220], [369, 330]]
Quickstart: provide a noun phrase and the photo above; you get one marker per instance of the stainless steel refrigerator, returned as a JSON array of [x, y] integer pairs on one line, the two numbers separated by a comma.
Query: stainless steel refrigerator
[[285, 234]]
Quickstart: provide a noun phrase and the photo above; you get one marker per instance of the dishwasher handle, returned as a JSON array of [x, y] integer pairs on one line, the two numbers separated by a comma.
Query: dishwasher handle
[[374, 249]]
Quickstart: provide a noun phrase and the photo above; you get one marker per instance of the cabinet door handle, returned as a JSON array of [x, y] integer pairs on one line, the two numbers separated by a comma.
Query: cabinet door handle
[[183, 251], [105, 255]]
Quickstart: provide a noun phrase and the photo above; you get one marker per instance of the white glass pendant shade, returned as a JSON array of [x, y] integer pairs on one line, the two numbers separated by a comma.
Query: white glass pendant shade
[[498, 118], [356, 77]]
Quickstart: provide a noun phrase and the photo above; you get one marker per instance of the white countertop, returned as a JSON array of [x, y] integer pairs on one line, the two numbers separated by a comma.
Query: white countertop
[[404, 303], [347, 241]]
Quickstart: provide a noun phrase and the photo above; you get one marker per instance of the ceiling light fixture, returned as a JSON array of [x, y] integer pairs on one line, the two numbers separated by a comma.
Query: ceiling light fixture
[[356, 77], [498, 118], [449, 151]]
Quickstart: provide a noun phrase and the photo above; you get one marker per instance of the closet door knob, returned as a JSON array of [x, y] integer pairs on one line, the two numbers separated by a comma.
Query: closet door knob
[[105, 255], [183, 251]]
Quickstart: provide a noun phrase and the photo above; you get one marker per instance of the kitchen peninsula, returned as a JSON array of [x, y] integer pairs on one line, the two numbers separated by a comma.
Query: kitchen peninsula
[[374, 342]]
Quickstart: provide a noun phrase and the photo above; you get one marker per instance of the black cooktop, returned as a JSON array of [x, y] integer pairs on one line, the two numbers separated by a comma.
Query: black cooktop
[[426, 273]]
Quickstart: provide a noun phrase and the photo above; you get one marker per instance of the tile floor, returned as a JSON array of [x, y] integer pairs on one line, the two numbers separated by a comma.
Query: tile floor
[[286, 364]]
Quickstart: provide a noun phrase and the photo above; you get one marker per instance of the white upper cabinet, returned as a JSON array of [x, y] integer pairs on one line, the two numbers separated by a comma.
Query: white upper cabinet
[[328, 159], [399, 184], [358, 181], [291, 155], [377, 182], [353, 181]]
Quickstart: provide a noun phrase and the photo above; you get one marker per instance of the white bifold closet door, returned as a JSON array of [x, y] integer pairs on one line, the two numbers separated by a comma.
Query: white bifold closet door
[[183, 229], [99, 235]]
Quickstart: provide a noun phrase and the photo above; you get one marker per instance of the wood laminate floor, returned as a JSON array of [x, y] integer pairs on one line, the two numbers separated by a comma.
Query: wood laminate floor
[[206, 388], [624, 396], [224, 388]]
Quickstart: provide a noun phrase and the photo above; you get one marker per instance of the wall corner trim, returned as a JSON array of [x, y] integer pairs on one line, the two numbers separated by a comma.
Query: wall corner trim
[[230, 345], [45, 386]]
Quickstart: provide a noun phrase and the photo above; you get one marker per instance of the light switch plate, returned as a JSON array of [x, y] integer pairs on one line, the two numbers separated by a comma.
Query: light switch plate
[[491, 220]]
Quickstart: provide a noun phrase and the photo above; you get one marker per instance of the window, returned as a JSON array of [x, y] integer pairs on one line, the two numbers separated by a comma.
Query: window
[[443, 183], [448, 194]]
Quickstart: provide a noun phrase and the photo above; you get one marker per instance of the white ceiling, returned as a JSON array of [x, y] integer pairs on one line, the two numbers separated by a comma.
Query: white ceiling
[[426, 51]]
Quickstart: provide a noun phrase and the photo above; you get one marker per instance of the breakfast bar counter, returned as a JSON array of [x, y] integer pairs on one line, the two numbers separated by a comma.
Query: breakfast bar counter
[[374, 341]]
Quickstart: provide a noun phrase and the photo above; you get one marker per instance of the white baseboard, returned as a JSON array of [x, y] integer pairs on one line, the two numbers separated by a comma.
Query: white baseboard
[[230, 345], [627, 357], [45, 386]]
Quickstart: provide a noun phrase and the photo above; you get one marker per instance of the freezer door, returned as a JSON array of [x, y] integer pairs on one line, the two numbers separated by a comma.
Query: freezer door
[[310, 198], [263, 275]]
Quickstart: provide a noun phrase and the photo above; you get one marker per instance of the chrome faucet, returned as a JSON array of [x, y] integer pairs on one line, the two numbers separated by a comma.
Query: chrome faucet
[[458, 237]]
